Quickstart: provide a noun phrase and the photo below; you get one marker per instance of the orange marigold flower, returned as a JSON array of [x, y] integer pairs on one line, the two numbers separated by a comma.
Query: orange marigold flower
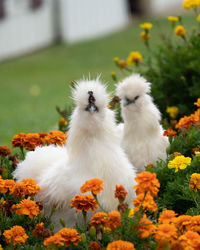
[[2, 186], [56, 239], [120, 245], [167, 216], [122, 64], [69, 236], [120, 193], [187, 121], [146, 202], [9, 184], [94, 185], [30, 187], [145, 36], [165, 233], [114, 220], [27, 207], [99, 218], [190, 240], [17, 190], [18, 140], [195, 182], [39, 229], [147, 182], [94, 246], [4, 151], [43, 136], [197, 103], [170, 133], [182, 222], [145, 227], [17, 234], [32, 140], [195, 224], [84, 203], [56, 137]]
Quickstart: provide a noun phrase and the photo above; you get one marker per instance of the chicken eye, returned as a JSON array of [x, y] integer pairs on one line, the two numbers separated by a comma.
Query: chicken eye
[[136, 97]]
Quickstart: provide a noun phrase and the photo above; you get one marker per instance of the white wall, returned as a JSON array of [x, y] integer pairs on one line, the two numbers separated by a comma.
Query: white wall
[[163, 6], [84, 19], [24, 30]]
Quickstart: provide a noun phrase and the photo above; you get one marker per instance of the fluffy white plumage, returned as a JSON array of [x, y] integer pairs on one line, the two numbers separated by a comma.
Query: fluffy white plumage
[[141, 134], [93, 151]]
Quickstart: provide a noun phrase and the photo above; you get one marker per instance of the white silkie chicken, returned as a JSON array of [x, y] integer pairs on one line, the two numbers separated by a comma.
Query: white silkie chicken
[[141, 134], [92, 151]]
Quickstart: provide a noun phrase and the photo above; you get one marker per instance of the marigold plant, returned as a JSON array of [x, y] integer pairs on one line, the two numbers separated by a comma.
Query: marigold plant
[[120, 245], [167, 216], [4, 151], [179, 162], [84, 203], [27, 207], [134, 58], [94, 185], [69, 236], [146, 201], [145, 227], [98, 219], [114, 220], [30, 187], [195, 182], [120, 193]]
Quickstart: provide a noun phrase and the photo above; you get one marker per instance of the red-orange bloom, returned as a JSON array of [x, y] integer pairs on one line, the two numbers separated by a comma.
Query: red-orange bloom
[[94, 246], [39, 229], [4, 151], [165, 233], [167, 216], [56, 137], [27, 207], [69, 236], [187, 121], [114, 220], [120, 245], [99, 218], [17, 190], [9, 184], [30, 187], [147, 182], [146, 202], [145, 227], [170, 133], [17, 234], [18, 140], [190, 240], [32, 140], [120, 193], [94, 185], [84, 203]]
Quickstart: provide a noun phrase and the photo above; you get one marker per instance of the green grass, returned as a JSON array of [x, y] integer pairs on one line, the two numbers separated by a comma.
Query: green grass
[[52, 69]]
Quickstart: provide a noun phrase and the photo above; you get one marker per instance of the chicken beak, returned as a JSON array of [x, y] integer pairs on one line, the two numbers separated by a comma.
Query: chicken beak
[[125, 102], [92, 108]]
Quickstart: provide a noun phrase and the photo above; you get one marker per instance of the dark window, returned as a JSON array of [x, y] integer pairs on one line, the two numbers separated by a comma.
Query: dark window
[[135, 7], [2, 9], [35, 4]]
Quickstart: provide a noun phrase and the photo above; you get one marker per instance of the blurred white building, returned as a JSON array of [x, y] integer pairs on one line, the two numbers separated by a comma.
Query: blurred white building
[[28, 25]]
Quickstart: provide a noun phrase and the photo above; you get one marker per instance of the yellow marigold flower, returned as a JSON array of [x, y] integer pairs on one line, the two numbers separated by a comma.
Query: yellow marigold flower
[[146, 26], [1, 248], [172, 111], [114, 220], [145, 227], [180, 30], [30, 187], [131, 212], [116, 59], [167, 216], [165, 233], [146, 202], [69, 236], [84, 203], [195, 182], [99, 218], [17, 234], [39, 229], [62, 122], [179, 162], [190, 240], [134, 58], [173, 18], [198, 18], [27, 207], [147, 182], [197, 103], [94, 185], [182, 222], [56, 239], [188, 4], [145, 36], [197, 153], [120, 193], [120, 245]]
